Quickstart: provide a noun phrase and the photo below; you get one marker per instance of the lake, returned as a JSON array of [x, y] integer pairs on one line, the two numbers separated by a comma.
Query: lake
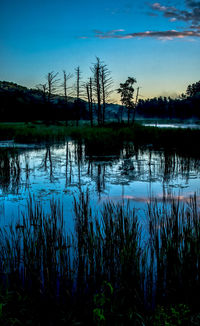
[[61, 171], [173, 125]]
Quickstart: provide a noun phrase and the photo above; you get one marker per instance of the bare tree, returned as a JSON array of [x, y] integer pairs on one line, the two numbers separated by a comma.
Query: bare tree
[[136, 102], [96, 69], [78, 77], [52, 84], [43, 89], [90, 99], [66, 78], [77, 104], [64, 85], [137, 95], [106, 84], [102, 83]]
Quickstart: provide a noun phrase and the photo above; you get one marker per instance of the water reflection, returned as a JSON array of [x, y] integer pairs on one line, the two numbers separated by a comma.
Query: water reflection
[[64, 169], [10, 171], [173, 125], [47, 163]]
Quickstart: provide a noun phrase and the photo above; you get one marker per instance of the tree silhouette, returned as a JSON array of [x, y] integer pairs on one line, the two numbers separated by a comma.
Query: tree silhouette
[[193, 89], [106, 84], [52, 84], [66, 78], [77, 102], [102, 83], [43, 89], [126, 91], [96, 69], [89, 92]]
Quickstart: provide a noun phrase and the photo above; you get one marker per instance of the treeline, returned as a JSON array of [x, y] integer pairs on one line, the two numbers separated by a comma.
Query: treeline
[[59, 99], [22, 104], [166, 107]]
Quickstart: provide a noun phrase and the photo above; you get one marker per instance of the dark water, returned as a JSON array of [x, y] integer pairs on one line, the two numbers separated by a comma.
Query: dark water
[[62, 170]]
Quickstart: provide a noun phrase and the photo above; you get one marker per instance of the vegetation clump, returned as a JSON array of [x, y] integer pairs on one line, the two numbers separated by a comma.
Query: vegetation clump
[[107, 138]]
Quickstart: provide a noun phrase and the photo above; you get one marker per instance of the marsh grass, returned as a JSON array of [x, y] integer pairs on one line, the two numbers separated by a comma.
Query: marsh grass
[[102, 273], [174, 230], [31, 132], [105, 139]]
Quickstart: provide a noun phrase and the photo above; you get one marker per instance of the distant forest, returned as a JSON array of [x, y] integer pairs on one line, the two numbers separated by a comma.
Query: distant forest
[[185, 107], [90, 101]]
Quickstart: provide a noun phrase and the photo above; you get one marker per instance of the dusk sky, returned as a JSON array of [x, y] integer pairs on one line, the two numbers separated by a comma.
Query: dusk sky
[[158, 43]]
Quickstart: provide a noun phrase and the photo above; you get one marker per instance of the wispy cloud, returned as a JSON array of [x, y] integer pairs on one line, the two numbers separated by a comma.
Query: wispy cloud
[[167, 35], [190, 15]]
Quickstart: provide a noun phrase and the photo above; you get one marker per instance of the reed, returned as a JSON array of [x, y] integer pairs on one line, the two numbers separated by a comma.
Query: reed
[[174, 247], [102, 274]]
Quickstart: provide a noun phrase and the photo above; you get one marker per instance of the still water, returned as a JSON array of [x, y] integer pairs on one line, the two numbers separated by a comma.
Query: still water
[[61, 171], [173, 125]]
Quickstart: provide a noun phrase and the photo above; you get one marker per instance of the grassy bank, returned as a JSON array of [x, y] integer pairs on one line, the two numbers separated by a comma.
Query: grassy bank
[[107, 138], [104, 273]]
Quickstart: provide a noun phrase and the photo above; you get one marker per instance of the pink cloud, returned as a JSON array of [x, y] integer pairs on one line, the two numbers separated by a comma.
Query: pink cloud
[[167, 35], [158, 6]]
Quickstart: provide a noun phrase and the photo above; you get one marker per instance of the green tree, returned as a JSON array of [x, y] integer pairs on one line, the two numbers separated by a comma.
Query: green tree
[[126, 91]]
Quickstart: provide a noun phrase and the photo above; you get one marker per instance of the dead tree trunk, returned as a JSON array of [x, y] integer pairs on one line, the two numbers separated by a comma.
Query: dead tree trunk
[[91, 102], [98, 91], [96, 69], [103, 94], [52, 86], [66, 77], [106, 84], [89, 98], [135, 105], [77, 102]]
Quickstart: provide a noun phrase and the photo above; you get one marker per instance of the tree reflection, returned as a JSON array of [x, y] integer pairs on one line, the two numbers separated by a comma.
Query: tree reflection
[[48, 159], [10, 171], [77, 166]]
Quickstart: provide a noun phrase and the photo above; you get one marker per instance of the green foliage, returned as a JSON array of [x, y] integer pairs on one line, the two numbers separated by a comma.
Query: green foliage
[[103, 303], [173, 315]]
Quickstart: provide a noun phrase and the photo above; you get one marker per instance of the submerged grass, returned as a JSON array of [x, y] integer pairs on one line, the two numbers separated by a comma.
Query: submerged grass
[[102, 274]]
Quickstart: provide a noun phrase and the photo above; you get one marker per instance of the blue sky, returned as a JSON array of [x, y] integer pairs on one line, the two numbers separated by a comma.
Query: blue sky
[[158, 43]]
